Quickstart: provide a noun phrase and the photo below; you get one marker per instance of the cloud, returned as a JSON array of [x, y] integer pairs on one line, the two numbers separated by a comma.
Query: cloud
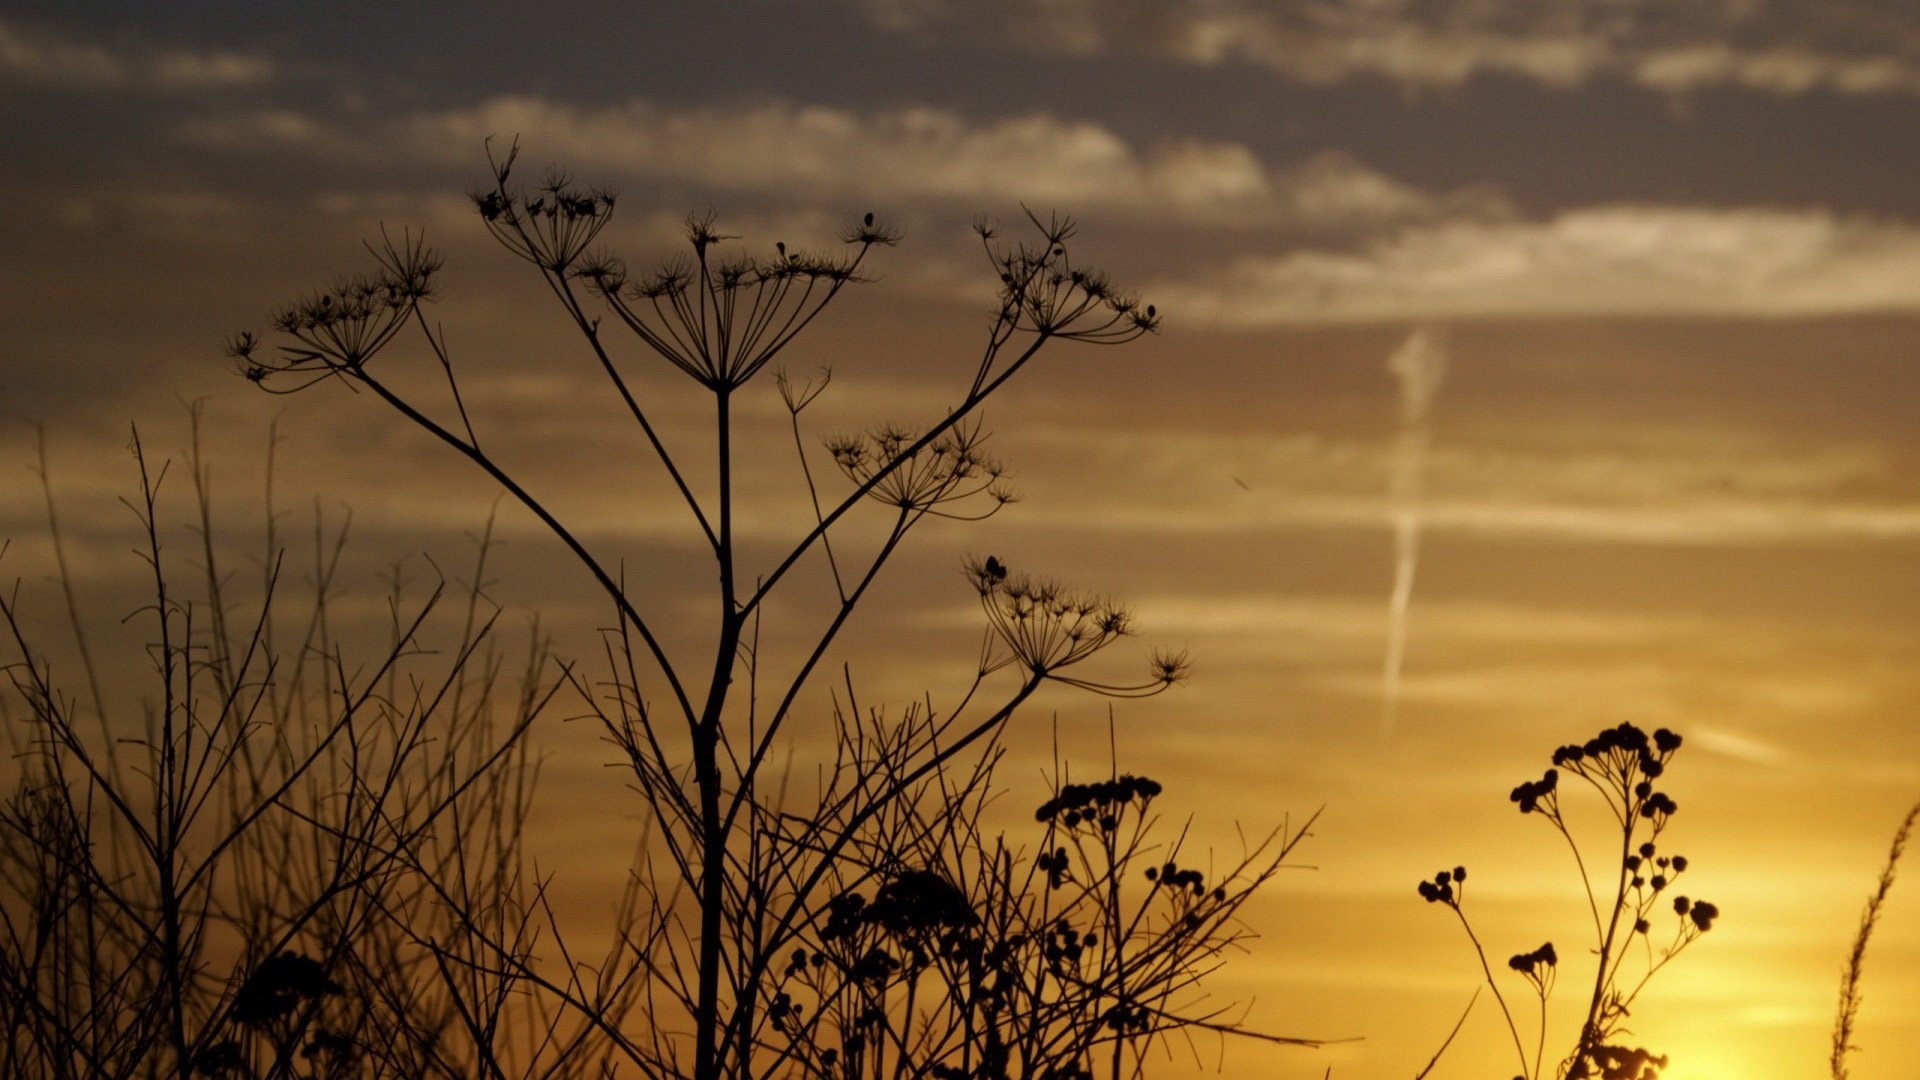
[[1842, 46], [1723, 521], [1708, 487], [911, 153], [1624, 260], [1781, 71], [1359, 622], [43, 57], [1348, 41], [1736, 745], [265, 127], [113, 209]]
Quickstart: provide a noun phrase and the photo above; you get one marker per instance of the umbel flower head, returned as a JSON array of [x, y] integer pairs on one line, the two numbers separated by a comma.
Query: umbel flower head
[[1531, 795], [1043, 292], [340, 329], [718, 317], [1042, 627], [950, 470], [1100, 802], [1537, 967], [1620, 762], [550, 226], [1544, 956]]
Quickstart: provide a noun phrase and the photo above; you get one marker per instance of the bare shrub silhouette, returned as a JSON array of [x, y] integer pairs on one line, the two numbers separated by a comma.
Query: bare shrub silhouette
[[865, 925], [1620, 765], [214, 879]]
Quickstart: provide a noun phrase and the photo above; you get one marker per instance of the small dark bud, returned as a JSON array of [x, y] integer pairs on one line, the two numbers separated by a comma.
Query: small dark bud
[[1703, 915]]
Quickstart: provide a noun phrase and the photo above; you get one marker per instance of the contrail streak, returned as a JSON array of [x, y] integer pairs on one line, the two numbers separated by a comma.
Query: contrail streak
[[1419, 363]]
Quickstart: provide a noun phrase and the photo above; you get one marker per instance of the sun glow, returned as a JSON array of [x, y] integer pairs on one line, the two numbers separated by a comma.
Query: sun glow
[[1713, 1056]]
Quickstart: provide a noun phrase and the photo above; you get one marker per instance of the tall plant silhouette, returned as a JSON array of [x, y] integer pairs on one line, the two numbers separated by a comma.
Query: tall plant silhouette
[[1851, 993], [208, 880], [877, 886], [1626, 890]]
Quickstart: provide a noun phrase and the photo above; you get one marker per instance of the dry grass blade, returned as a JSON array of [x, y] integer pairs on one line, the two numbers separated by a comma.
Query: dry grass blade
[[1850, 996]]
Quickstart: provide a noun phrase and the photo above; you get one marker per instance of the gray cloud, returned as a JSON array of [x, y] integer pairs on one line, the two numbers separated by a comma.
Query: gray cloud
[[902, 154], [45, 57], [1845, 46], [1607, 260]]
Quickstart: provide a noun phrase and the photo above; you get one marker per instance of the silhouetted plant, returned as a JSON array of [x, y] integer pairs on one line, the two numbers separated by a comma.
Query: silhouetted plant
[[209, 882], [1621, 765], [944, 952], [1851, 996], [770, 930]]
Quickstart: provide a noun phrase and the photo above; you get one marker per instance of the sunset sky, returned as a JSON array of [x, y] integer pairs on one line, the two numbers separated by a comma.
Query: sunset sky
[[1669, 253]]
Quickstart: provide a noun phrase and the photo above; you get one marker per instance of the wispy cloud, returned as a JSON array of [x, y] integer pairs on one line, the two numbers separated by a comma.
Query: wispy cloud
[[1607, 260], [899, 154], [1854, 47], [1707, 487], [1736, 745], [45, 57], [1782, 70], [270, 128], [1721, 521]]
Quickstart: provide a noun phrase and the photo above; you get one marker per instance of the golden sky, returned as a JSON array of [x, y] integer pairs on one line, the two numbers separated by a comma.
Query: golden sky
[[1668, 253]]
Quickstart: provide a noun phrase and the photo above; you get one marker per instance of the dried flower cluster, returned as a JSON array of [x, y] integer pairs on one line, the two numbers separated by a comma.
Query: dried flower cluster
[[1621, 765], [1101, 801], [895, 467], [848, 932], [1537, 967], [722, 318], [1060, 982], [341, 328], [551, 226], [1041, 627], [1041, 290]]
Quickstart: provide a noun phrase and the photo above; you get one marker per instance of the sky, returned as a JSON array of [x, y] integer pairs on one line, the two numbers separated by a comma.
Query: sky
[[1565, 351]]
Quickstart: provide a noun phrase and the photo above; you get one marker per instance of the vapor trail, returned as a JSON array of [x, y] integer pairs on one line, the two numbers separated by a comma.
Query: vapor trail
[[1419, 363]]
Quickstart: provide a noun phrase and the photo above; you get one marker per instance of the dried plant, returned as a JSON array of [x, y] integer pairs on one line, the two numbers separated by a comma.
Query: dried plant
[[1850, 993], [742, 949], [208, 881], [1624, 895], [948, 953]]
